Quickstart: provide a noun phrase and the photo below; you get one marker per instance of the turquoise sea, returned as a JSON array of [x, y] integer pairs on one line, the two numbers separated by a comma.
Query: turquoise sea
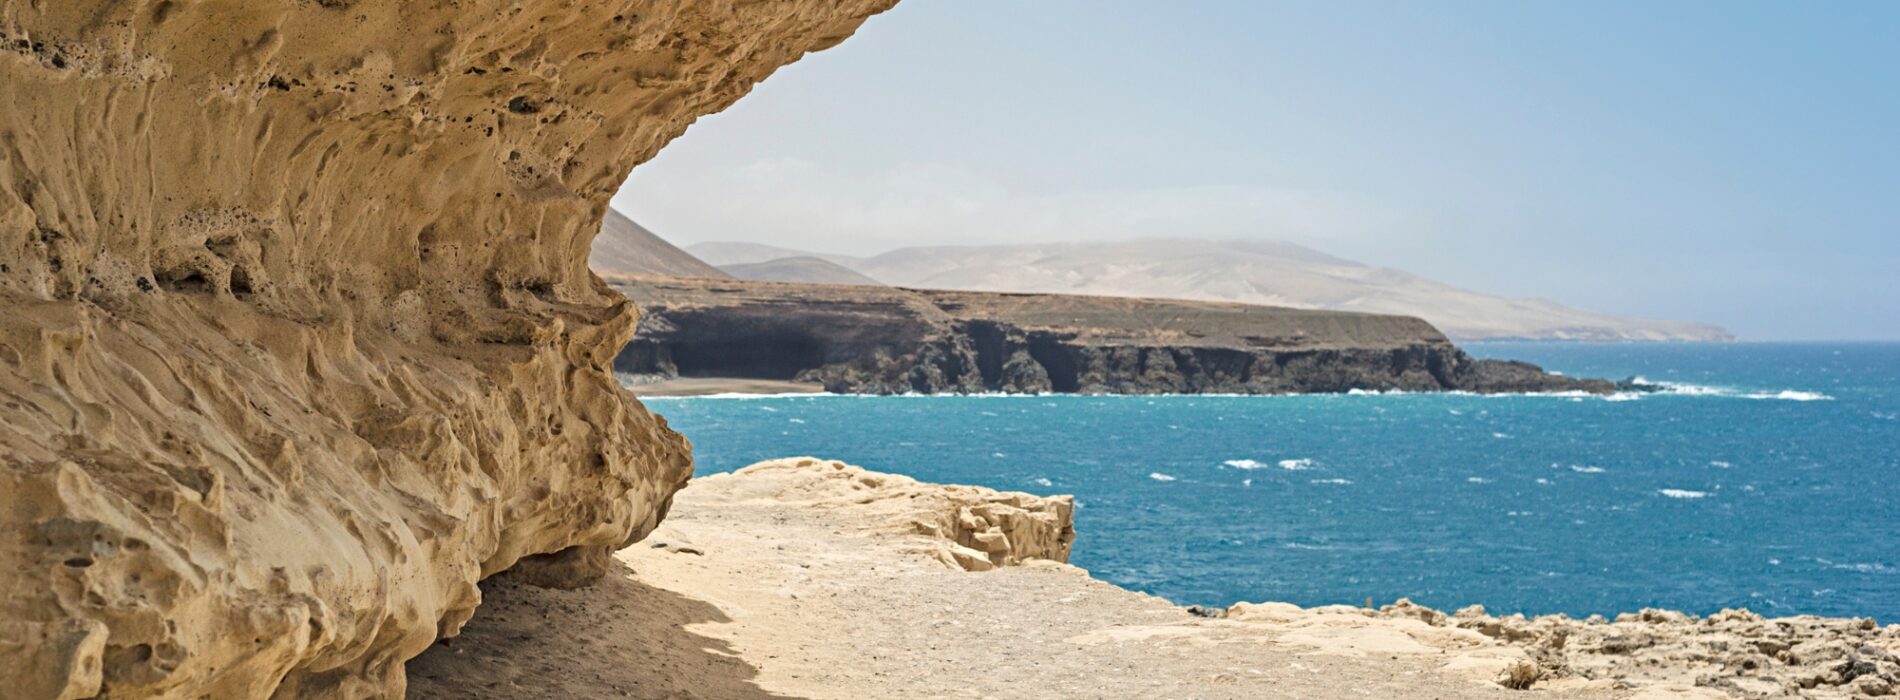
[[1764, 476]]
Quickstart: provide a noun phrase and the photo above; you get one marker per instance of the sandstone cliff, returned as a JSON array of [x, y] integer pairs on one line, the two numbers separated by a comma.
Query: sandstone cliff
[[882, 340], [300, 341]]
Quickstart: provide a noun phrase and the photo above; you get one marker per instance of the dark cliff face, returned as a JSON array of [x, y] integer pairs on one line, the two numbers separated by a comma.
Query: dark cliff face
[[892, 341]]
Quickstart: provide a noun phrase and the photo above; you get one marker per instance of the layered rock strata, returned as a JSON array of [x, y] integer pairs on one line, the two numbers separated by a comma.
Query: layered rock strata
[[881, 340], [300, 341]]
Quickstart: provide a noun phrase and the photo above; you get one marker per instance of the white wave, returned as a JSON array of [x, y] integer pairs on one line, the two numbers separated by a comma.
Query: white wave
[[1332, 481], [1791, 395], [1862, 568], [1244, 464], [1296, 465], [1686, 389], [1719, 464], [799, 421], [768, 409], [1043, 481], [1158, 476], [1501, 436], [1683, 493], [733, 395], [1660, 388], [1246, 482], [1477, 480], [1580, 469]]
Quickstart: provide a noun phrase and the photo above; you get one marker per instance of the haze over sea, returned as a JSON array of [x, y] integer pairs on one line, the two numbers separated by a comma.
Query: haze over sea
[[1766, 476]]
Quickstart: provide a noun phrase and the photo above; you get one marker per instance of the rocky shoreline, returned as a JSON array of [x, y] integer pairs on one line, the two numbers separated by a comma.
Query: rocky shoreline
[[880, 340], [817, 579]]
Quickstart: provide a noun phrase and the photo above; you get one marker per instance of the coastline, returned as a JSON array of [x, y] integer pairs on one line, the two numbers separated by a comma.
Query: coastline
[[716, 386], [808, 578]]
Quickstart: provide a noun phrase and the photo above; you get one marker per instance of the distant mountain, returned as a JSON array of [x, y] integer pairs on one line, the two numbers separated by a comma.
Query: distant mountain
[[799, 268], [723, 253], [1271, 273], [626, 248]]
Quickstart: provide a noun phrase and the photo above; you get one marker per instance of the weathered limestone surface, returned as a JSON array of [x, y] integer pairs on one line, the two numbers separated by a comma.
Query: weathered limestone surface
[[968, 527], [298, 340]]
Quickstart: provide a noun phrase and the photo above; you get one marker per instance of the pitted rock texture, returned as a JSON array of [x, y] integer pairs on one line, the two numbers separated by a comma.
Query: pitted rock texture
[[299, 339], [1660, 653]]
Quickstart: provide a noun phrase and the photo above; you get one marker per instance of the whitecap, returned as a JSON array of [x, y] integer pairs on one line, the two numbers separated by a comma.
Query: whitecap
[[1296, 465], [1683, 493], [1501, 436], [1158, 476], [1685, 389], [1580, 469], [1332, 481], [1246, 482], [1244, 464], [1043, 481], [998, 455], [1862, 568], [1477, 480], [1791, 395], [799, 421], [1719, 464], [768, 409]]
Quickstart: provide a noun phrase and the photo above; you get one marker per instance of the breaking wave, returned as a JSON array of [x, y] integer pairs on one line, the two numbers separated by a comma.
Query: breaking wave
[[1683, 493]]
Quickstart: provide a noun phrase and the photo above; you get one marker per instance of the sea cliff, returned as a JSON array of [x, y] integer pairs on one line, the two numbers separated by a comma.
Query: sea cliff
[[884, 340]]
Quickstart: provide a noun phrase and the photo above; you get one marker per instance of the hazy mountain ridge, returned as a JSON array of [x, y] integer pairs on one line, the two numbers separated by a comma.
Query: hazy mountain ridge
[[627, 248], [798, 268], [1254, 272]]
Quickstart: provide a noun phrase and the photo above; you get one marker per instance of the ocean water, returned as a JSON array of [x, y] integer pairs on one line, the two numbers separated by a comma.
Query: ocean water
[[1766, 476]]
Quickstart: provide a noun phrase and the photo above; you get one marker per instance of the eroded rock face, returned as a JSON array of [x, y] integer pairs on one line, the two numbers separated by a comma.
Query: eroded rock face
[[1731, 654], [299, 340], [968, 527], [884, 340]]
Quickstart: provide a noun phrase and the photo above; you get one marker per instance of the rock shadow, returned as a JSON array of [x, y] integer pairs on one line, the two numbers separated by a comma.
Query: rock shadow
[[620, 638]]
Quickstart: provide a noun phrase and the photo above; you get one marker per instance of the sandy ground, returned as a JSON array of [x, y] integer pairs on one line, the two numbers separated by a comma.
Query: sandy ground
[[765, 587], [702, 386]]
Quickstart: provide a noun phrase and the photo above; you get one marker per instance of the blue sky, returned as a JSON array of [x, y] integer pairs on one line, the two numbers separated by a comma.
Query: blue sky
[[1729, 162]]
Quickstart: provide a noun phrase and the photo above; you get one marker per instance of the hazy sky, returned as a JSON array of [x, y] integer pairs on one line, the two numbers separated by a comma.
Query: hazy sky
[[1729, 162]]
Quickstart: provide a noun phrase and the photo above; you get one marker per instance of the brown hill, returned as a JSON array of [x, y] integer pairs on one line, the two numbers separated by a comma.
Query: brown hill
[[802, 268], [627, 248]]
